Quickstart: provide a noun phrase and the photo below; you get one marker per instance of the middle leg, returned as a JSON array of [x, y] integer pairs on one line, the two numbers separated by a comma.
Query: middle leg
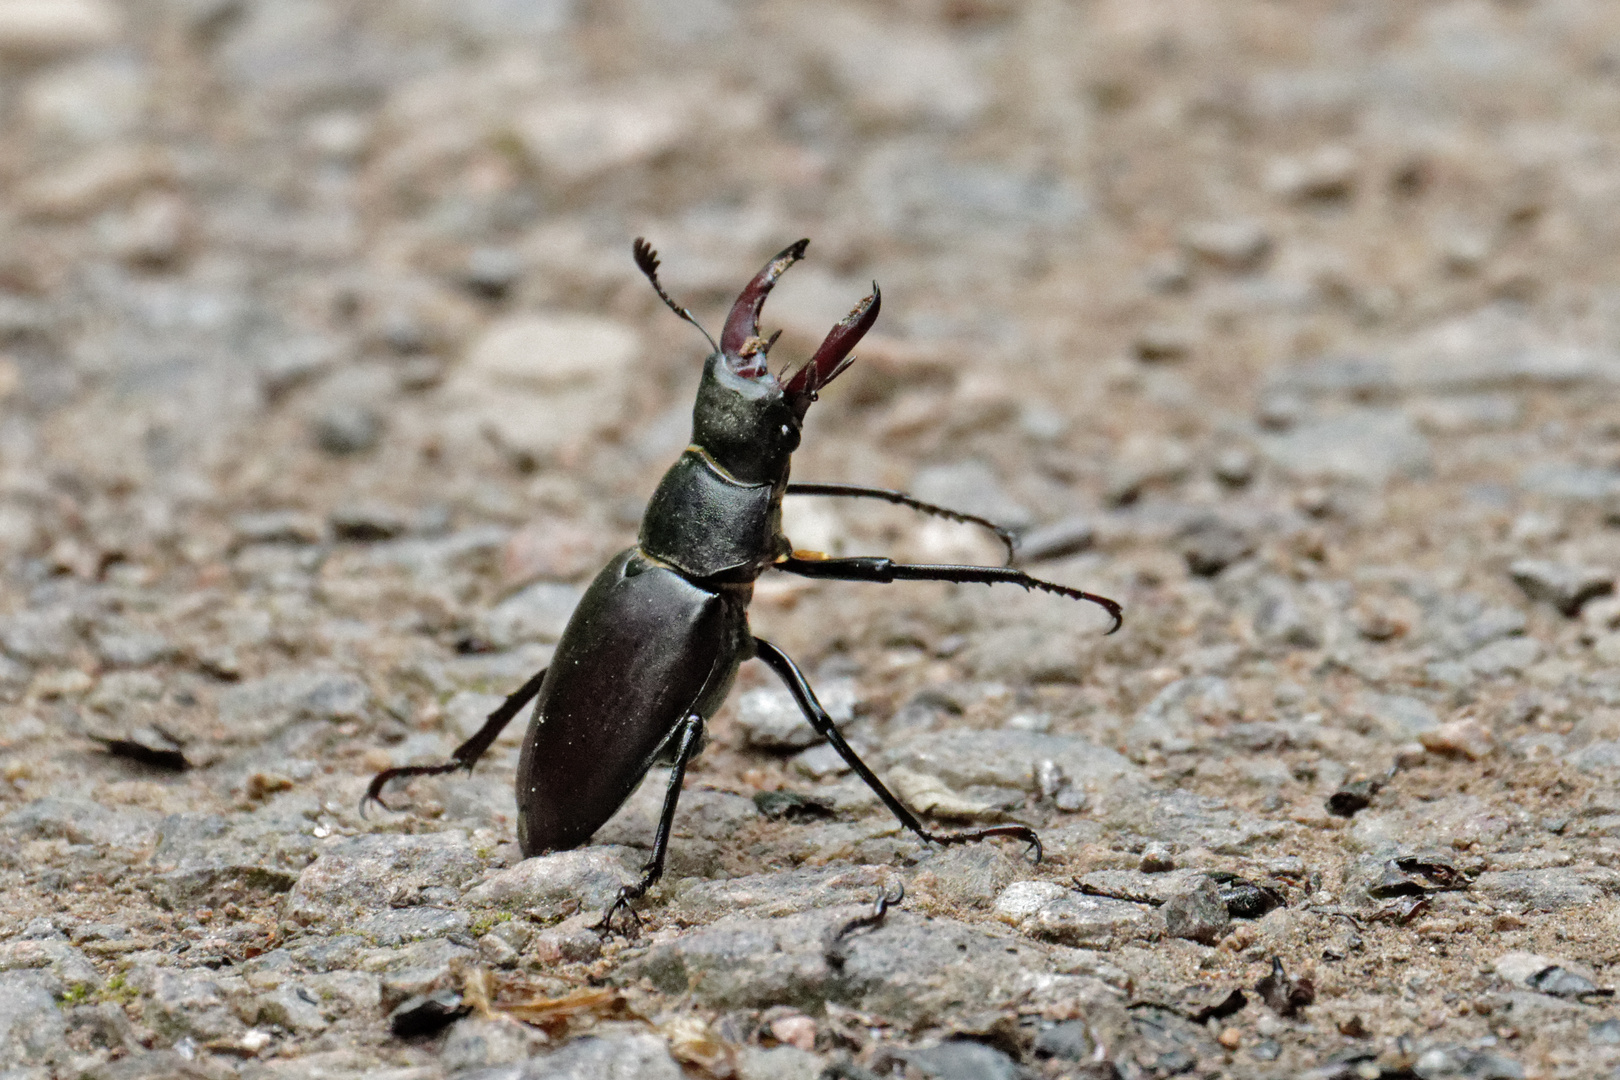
[[688, 737], [813, 711]]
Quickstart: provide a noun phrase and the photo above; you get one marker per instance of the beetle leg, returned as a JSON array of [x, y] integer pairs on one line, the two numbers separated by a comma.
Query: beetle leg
[[1007, 537], [883, 571], [467, 754], [790, 674], [688, 736]]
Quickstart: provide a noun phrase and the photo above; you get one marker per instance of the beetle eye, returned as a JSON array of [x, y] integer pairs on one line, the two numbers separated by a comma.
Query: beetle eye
[[786, 431]]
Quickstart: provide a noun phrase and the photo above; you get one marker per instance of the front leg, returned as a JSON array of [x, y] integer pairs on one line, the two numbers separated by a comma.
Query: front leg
[[689, 736], [883, 571], [813, 711]]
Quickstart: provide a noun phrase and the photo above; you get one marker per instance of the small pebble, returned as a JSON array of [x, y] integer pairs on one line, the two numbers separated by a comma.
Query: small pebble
[[1156, 859], [1564, 586], [1465, 738], [347, 429], [794, 1029], [1239, 245], [1198, 914]]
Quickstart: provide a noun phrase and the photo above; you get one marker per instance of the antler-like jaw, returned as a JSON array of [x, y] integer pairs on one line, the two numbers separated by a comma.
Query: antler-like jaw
[[834, 355], [740, 342]]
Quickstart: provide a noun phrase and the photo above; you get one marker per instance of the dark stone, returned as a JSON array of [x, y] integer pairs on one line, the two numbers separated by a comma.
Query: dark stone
[[1354, 796], [347, 429], [963, 1060], [1245, 899], [1211, 546], [788, 805], [1285, 994], [1070, 1040], [1561, 982], [426, 1014]]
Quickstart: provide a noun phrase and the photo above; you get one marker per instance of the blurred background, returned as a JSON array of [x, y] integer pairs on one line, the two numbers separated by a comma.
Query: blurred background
[[364, 268]]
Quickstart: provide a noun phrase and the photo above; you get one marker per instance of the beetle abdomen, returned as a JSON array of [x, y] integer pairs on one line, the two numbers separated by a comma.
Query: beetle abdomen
[[706, 524], [645, 648]]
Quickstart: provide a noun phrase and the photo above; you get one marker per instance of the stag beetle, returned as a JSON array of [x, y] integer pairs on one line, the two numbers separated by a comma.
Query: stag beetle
[[654, 645]]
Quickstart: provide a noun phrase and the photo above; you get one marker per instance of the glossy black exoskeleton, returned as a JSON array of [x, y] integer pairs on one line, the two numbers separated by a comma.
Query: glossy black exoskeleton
[[654, 645]]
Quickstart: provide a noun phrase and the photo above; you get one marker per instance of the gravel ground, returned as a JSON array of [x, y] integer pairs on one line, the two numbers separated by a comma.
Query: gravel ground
[[328, 381]]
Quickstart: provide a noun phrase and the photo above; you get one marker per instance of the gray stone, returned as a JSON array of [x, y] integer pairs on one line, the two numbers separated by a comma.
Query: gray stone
[[962, 1060], [1461, 414], [772, 720], [40, 637], [584, 878], [713, 816], [1462, 1063], [778, 1063], [205, 859], [277, 527], [539, 612], [358, 875], [1068, 1040], [1198, 914], [1399, 718], [610, 1055], [194, 1002], [1186, 819], [131, 647], [1057, 540], [1565, 586], [1370, 446], [347, 428], [292, 1007], [476, 1042], [1575, 483], [539, 382], [79, 821], [1601, 758], [1605, 1032], [785, 892], [31, 1027], [1181, 715], [37, 32], [914, 189], [420, 967], [1482, 628], [70, 967], [1551, 889], [910, 969], [1007, 759], [1051, 912], [256, 710], [400, 925], [820, 762], [1510, 656], [1280, 619], [491, 272], [1210, 546], [1237, 245], [972, 875], [1493, 348]]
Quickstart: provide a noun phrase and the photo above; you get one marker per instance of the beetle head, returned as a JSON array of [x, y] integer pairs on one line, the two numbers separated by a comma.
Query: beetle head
[[747, 418]]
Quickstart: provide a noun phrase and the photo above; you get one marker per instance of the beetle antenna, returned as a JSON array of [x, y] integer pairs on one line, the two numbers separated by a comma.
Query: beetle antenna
[[647, 262]]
